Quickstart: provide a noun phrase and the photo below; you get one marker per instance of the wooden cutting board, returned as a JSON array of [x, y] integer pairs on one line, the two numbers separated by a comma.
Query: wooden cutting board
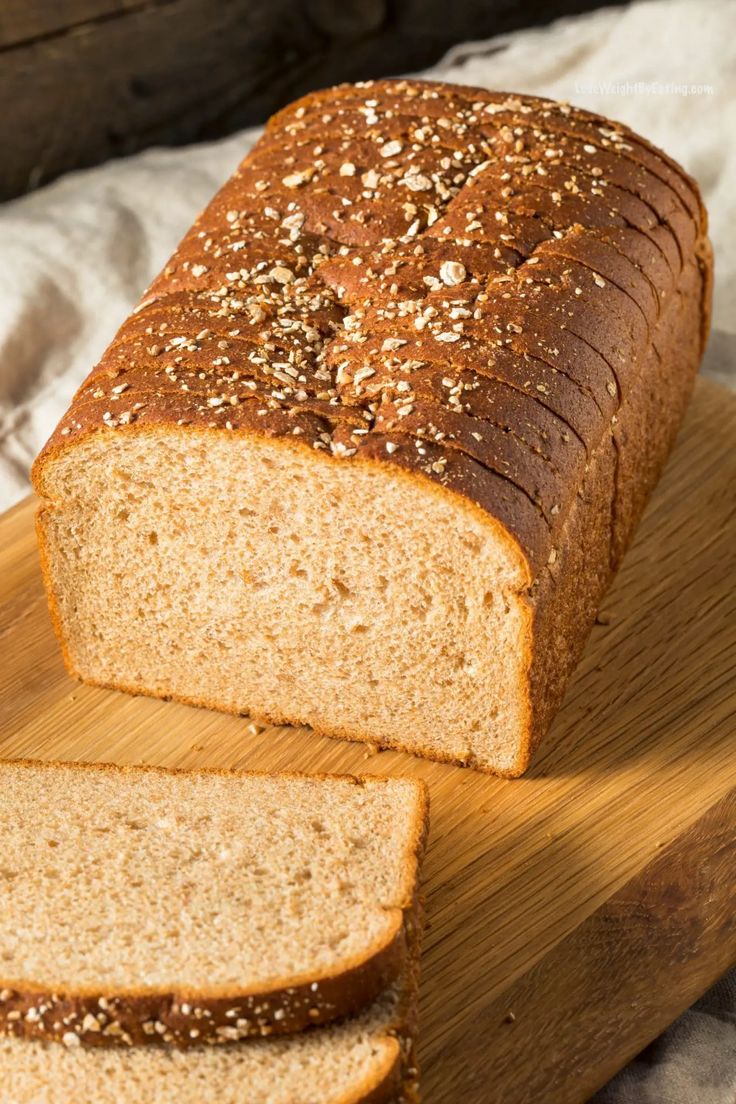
[[572, 913]]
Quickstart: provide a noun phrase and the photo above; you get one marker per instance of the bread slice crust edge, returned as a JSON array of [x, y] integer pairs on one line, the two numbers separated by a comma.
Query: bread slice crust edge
[[182, 1016]]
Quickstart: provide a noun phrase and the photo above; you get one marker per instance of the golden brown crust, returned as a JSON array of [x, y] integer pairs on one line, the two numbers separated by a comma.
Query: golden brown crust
[[186, 1017], [567, 596], [464, 285], [402, 202]]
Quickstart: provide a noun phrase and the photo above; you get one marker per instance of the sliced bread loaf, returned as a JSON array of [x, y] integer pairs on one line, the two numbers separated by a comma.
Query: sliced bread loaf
[[370, 449], [368, 1060], [148, 905]]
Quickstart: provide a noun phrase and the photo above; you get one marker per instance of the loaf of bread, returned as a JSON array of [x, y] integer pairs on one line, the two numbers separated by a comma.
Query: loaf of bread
[[146, 906], [371, 447]]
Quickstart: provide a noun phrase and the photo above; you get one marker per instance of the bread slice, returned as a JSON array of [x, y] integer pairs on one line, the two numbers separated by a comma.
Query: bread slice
[[144, 905], [367, 1060], [370, 449]]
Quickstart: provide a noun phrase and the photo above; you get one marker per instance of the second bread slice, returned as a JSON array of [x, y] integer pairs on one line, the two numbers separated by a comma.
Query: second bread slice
[[192, 907], [365, 1060]]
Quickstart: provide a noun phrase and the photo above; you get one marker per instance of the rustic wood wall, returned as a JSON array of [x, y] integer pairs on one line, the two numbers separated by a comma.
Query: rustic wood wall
[[85, 80]]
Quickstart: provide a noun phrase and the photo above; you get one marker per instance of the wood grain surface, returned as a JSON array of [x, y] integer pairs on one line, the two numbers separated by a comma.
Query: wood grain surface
[[572, 913]]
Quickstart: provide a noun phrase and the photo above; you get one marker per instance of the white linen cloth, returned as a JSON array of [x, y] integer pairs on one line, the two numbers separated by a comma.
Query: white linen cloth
[[75, 256]]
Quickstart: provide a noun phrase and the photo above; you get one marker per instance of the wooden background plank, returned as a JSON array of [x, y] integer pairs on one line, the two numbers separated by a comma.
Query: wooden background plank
[[593, 897], [28, 21], [85, 80]]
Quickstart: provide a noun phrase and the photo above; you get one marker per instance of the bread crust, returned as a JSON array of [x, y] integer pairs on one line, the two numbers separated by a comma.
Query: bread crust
[[218, 1015], [395, 1080], [523, 248]]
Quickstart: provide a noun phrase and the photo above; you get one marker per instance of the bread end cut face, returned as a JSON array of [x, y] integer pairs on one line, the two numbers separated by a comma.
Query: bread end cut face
[[258, 576]]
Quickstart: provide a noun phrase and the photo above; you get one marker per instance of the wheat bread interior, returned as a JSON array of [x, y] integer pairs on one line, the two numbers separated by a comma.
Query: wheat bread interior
[[199, 885], [265, 574]]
